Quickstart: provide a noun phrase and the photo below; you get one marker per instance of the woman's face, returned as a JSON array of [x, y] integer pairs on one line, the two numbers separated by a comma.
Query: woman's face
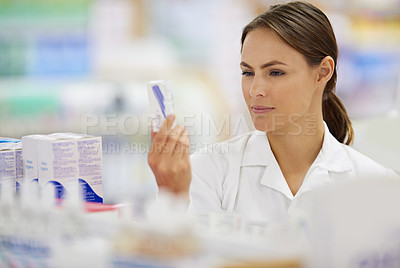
[[278, 85]]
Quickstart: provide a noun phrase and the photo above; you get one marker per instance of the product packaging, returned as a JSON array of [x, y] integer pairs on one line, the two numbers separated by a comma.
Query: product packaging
[[30, 156], [19, 164], [12, 149], [7, 165], [68, 158], [160, 102], [58, 163], [90, 166], [6, 140]]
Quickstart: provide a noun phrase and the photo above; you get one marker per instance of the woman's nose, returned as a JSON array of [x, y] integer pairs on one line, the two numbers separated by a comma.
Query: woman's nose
[[258, 87]]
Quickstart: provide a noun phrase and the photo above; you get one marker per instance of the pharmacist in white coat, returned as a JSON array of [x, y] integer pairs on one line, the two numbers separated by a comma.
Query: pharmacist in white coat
[[288, 62]]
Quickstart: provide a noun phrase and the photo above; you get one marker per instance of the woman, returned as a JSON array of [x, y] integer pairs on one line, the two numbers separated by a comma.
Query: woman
[[288, 62]]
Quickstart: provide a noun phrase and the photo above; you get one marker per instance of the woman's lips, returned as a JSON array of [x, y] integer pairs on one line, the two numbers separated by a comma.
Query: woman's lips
[[261, 109]]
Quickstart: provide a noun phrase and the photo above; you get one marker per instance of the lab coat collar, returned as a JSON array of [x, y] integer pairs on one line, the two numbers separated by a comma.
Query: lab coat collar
[[332, 156], [257, 150], [258, 153]]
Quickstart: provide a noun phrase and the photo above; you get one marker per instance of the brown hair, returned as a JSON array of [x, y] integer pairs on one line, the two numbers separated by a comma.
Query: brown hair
[[307, 29]]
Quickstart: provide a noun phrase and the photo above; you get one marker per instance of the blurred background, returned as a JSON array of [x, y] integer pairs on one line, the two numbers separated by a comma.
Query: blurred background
[[82, 66]]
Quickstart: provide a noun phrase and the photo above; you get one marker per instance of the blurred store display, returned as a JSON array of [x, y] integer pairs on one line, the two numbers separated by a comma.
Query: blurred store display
[[44, 38]]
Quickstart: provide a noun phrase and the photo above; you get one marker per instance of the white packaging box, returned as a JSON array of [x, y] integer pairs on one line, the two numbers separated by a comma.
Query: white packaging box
[[90, 161], [7, 164], [160, 101], [58, 163], [89, 165], [30, 156], [19, 165]]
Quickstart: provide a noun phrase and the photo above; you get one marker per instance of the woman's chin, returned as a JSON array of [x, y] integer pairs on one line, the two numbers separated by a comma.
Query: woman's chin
[[262, 127], [267, 127]]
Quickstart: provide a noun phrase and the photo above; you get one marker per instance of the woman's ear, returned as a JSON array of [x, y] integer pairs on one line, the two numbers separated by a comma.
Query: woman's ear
[[325, 70]]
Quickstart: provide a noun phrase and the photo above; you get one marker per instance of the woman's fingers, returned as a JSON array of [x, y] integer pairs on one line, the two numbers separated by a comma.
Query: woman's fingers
[[169, 157], [182, 147], [160, 138], [186, 143], [173, 140], [167, 124]]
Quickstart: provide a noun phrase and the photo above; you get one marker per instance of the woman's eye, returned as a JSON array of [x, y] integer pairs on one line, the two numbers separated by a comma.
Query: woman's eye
[[247, 73], [276, 73]]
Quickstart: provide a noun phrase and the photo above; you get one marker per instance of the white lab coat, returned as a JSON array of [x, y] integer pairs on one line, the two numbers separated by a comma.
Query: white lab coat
[[242, 175]]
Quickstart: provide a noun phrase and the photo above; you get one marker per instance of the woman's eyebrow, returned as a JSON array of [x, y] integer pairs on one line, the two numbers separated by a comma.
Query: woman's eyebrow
[[245, 65], [271, 63], [265, 65]]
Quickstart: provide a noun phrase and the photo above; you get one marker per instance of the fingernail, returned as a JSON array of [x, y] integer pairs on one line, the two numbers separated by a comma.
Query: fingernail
[[171, 117]]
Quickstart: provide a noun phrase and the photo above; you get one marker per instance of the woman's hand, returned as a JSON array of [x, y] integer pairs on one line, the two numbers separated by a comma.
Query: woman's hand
[[169, 157]]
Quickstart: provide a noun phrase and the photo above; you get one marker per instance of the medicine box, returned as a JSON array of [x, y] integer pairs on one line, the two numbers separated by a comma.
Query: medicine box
[[30, 156], [7, 164], [19, 163], [68, 158], [90, 166], [57, 160], [6, 140]]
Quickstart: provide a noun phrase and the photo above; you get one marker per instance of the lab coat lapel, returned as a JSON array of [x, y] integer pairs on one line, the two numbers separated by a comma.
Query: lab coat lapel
[[258, 153], [316, 176], [332, 159], [274, 179], [231, 183], [334, 154], [256, 150]]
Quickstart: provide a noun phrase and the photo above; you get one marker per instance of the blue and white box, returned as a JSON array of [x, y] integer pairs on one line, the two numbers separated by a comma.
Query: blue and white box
[[90, 166], [30, 156], [160, 102], [58, 163], [19, 164], [7, 164], [66, 159], [6, 140]]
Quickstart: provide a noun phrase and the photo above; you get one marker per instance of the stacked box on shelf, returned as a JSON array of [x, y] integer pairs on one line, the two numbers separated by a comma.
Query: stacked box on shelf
[[11, 165], [57, 163], [30, 156], [7, 164], [65, 159], [90, 167]]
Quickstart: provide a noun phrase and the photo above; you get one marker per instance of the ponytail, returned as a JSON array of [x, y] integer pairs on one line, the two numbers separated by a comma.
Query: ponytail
[[335, 116]]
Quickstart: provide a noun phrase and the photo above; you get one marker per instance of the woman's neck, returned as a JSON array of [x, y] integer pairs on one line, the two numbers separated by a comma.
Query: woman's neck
[[296, 150]]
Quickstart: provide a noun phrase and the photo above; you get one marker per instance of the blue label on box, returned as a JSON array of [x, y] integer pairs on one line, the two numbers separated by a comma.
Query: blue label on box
[[88, 193]]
